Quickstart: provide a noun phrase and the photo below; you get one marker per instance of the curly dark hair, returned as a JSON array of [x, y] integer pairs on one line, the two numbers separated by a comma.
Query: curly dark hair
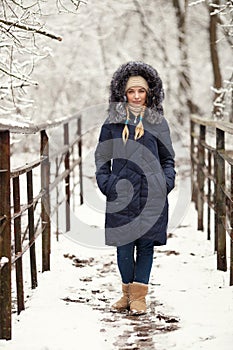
[[155, 94]]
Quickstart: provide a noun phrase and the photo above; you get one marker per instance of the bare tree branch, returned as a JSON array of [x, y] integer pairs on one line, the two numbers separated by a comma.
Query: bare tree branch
[[24, 7], [30, 29], [19, 86], [18, 77]]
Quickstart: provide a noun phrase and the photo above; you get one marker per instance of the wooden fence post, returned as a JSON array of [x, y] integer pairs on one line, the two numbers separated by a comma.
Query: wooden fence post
[[200, 177], [18, 245], [45, 202], [220, 202], [31, 227], [57, 200], [192, 154], [209, 195], [67, 178], [215, 204], [80, 157], [231, 235], [5, 237]]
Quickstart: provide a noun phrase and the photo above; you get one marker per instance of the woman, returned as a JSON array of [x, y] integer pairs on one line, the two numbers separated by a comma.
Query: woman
[[135, 171]]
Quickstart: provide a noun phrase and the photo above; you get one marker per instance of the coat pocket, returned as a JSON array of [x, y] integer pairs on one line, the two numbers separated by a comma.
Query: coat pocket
[[161, 181]]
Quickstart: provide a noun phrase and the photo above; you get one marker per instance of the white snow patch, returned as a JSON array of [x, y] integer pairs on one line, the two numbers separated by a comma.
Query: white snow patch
[[10, 122], [3, 260]]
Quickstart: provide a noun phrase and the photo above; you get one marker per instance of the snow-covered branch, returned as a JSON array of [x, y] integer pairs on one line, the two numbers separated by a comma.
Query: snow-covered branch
[[196, 2], [23, 31], [22, 78], [29, 28]]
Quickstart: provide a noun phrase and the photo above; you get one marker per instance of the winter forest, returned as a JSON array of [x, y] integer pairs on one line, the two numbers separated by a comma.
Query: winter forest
[[57, 58]]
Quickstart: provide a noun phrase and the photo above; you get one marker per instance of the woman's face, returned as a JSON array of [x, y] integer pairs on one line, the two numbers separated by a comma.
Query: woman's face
[[136, 96]]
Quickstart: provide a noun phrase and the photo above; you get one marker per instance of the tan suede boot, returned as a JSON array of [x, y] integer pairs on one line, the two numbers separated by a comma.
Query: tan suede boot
[[123, 303], [137, 298]]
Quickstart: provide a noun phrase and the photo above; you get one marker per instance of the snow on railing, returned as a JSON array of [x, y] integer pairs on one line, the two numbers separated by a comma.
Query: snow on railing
[[3, 260]]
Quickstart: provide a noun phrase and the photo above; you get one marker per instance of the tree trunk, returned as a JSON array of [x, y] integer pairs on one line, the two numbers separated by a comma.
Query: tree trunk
[[185, 89], [217, 77]]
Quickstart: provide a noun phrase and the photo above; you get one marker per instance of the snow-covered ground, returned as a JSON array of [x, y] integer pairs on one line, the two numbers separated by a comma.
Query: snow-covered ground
[[190, 303]]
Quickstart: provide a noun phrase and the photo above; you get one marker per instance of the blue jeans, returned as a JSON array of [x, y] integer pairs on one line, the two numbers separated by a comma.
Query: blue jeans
[[135, 268]]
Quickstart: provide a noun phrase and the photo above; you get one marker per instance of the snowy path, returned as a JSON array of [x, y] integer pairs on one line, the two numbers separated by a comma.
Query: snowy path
[[190, 302]]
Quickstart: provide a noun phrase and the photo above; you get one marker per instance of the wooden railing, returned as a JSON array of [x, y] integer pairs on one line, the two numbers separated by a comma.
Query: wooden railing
[[59, 162], [212, 180]]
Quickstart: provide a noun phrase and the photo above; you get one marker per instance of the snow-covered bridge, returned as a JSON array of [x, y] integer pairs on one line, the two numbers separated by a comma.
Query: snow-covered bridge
[[189, 300]]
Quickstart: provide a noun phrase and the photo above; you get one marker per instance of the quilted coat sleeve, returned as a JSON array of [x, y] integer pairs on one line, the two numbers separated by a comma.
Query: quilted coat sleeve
[[167, 155], [103, 156]]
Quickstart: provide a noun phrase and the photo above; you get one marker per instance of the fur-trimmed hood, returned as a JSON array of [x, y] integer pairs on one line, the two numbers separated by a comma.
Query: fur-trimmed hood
[[117, 99]]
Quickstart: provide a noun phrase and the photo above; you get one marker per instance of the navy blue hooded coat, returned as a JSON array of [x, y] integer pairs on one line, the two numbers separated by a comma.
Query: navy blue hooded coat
[[135, 177]]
